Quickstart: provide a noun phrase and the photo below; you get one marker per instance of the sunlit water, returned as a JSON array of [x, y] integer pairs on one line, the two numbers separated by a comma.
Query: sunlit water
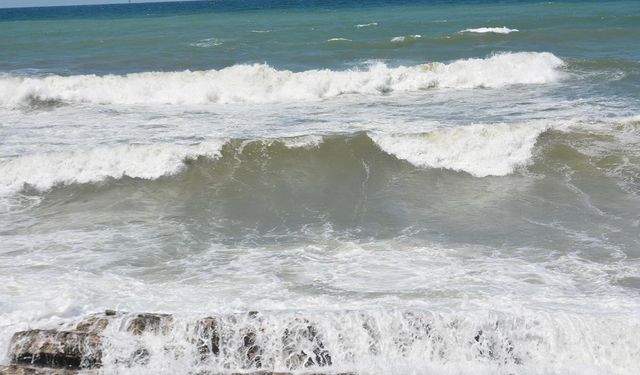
[[404, 176]]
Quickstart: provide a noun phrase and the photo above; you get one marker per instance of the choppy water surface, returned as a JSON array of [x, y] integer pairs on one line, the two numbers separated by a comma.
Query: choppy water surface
[[403, 175]]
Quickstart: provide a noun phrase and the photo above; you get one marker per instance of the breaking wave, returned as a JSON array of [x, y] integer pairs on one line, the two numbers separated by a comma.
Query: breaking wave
[[405, 38], [260, 83], [494, 30], [46, 170], [365, 342], [480, 150]]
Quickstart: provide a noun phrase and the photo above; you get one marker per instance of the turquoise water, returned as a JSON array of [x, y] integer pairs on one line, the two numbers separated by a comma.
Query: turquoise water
[[439, 187], [167, 37]]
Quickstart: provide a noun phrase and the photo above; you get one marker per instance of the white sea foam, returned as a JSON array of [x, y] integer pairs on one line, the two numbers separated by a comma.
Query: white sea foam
[[260, 83], [338, 40], [386, 342], [147, 161], [495, 30], [370, 24], [206, 43], [480, 150], [150, 161], [406, 38], [303, 141]]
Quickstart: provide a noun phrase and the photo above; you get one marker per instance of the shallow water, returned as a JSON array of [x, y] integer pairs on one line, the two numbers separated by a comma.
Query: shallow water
[[432, 169]]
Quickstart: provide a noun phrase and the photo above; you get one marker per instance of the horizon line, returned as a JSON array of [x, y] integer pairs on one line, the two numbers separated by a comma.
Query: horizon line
[[107, 2]]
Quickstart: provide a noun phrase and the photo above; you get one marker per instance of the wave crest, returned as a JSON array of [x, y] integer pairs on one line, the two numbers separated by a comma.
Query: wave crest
[[361, 25], [46, 170], [480, 150], [405, 38], [260, 83], [494, 30]]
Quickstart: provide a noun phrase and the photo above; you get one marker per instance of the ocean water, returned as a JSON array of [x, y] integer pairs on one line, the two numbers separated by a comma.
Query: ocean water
[[439, 187]]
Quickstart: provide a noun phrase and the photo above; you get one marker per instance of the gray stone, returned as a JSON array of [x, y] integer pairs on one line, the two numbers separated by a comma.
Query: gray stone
[[207, 337], [52, 348], [30, 370], [150, 323], [299, 331]]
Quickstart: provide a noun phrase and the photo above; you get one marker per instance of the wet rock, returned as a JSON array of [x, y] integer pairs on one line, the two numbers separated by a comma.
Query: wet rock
[[30, 370], [492, 346], [149, 323], [95, 324], [280, 373], [303, 334], [252, 351], [81, 348], [207, 337], [371, 328], [140, 357], [272, 373], [52, 348], [416, 329]]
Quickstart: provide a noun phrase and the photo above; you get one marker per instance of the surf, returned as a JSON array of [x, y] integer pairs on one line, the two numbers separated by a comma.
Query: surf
[[261, 83]]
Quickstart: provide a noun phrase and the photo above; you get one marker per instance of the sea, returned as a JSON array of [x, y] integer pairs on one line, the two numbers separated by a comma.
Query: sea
[[424, 187]]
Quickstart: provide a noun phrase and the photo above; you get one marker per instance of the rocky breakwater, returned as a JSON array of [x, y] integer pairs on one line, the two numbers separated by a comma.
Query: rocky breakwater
[[79, 348]]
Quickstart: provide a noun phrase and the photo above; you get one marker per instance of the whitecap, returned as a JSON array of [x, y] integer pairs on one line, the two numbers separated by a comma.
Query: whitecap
[[206, 43], [480, 150], [261, 83], [146, 161], [406, 38], [495, 30]]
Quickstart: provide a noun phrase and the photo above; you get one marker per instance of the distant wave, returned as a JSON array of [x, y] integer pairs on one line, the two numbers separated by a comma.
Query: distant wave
[[366, 25], [406, 38], [339, 40], [495, 30], [261, 83], [206, 43], [260, 31]]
